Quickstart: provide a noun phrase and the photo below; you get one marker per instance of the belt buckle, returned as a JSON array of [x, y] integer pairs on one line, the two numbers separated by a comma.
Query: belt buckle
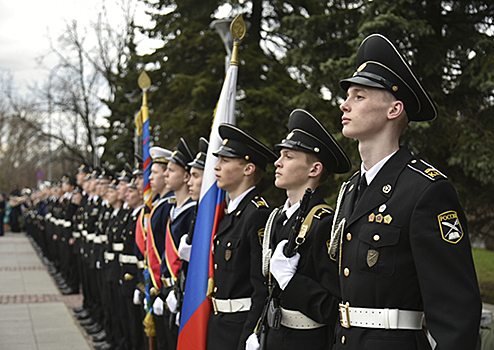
[[215, 306], [344, 314]]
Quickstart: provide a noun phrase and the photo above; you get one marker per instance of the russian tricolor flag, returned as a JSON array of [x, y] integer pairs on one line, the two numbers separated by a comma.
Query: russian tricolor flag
[[196, 305]]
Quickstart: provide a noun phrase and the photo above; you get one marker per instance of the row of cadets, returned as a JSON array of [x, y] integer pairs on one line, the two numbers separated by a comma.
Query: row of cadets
[[177, 224], [239, 291]]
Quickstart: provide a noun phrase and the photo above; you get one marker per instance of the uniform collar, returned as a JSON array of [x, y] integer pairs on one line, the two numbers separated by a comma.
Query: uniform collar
[[232, 206], [372, 172]]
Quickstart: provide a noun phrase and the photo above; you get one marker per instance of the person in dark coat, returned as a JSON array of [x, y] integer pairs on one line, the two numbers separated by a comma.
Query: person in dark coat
[[401, 239], [239, 286], [2, 211], [306, 287]]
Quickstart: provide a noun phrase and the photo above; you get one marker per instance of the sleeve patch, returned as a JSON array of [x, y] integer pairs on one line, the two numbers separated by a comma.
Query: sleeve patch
[[450, 227]]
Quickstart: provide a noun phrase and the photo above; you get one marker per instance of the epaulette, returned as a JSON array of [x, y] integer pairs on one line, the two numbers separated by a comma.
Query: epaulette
[[425, 169], [322, 212], [260, 202]]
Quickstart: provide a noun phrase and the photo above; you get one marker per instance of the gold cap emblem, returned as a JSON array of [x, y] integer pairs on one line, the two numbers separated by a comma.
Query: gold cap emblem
[[225, 141], [362, 67]]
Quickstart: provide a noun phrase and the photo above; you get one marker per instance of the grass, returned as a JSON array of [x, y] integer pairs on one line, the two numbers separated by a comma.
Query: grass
[[484, 264]]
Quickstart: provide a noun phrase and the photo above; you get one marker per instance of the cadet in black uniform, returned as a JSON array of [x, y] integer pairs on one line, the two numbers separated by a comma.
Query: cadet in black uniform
[[307, 288], [239, 286], [403, 249]]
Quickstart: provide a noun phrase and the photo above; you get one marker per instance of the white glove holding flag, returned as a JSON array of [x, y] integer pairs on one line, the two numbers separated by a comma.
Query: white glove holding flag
[[177, 319], [158, 307], [137, 297], [184, 248], [281, 267], [252, 342], [171, 301]]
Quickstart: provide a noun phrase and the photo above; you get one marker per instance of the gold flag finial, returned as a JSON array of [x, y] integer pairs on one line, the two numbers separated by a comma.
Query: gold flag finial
[[144, 81], [238, 29]]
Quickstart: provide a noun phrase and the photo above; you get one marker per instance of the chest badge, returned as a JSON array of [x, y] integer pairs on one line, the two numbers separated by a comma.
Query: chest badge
[[372, 257], [228, 254]]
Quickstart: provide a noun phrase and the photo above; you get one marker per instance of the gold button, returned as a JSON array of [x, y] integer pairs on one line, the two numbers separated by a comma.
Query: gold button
[[215, 266], [376, 238], [343, 339], [346, 271], [229, 244], [218, 242], [215, 289], [348, 236]]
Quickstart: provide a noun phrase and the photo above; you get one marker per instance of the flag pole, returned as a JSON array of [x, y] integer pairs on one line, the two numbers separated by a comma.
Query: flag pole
[[144, 83]]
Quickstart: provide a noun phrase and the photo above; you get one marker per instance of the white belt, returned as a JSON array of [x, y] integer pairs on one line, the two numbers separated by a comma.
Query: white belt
[[118, 247], [231, 305], [104, 238], [109, 256], [90, 236], [127, 259], [48, 216], [97, 239], [84, 233], [67, 224], [380, 318], [141, 264], [297, 320], [76, 234]]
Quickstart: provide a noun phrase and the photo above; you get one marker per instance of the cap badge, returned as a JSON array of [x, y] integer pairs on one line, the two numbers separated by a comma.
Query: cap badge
[[174, 153], [316, 149], [289, 136], [395, 88], [225, 141], [362, 67]]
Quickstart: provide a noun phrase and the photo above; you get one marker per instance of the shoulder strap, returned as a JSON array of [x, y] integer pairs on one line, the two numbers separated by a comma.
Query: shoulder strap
[[308, 222]]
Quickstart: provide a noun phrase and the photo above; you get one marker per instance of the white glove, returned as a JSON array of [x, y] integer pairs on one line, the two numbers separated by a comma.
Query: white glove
[[158, 307], [252, 342], [171, 301], [184, 249], [177, 319], [281, 267], [137, 297]]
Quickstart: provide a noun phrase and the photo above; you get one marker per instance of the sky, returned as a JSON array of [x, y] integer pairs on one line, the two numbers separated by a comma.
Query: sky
[[26, 26]]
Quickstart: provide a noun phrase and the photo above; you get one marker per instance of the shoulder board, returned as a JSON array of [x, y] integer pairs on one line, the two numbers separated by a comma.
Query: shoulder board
[[425, 169], [323, 212], [355, 174], [258, 201]]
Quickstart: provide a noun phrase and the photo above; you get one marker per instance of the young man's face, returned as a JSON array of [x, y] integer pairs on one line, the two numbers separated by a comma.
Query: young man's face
[[157, 177], [364, 112], [292, 169], [229, 172], [80, 177], [175, 176], [122, 190], [112, 196], [140, 183], [133, 197], [195, 183], [103, 187]]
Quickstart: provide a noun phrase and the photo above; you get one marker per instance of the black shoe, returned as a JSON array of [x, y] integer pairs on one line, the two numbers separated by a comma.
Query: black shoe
[[103, 346], [68, 291], [87, 322], [83, 315], [78, 309], [99, 337], [94, 329]]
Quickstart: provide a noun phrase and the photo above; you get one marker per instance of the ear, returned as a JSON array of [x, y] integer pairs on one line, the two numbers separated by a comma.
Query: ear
[[316, 169], [186, 176], [249, 169], [396, 109]]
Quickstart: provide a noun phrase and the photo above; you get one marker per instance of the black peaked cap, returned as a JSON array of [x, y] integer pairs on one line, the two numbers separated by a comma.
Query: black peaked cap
[[200, 159], [182, 155], [126, 173], [239, 144], [307, 134], [381, 65]]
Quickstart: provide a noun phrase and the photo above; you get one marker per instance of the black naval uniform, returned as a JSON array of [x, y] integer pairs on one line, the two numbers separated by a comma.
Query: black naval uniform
[[405, 246], [238, 272], [311, 289]]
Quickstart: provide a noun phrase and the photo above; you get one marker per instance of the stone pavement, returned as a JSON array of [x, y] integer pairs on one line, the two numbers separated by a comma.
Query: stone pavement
[[33, 313]]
